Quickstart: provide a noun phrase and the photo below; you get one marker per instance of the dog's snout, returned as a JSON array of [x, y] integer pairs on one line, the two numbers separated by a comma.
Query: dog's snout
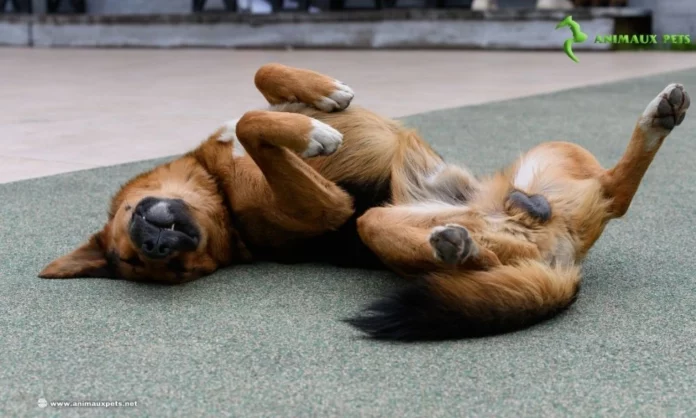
[[158, 212], [155, 247], [159, 227]]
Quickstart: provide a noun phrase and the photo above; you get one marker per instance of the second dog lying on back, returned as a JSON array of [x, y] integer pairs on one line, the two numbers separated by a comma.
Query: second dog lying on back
[[490, 255]]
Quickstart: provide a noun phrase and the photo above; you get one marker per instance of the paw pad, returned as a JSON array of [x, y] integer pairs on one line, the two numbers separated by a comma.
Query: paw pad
[[452, 244], [536, 206], [672, 106]]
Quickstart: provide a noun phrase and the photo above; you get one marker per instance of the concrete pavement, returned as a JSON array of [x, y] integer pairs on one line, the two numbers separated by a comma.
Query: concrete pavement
[[65, 110]]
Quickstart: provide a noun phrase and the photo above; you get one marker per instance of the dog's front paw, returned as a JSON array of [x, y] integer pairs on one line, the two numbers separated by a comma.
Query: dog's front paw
[[452, 244], [338, 99], [323, 140]]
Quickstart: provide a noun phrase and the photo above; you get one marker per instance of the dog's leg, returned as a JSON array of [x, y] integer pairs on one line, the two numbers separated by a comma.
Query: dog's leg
[[665, 112], [413, 244], [280, 84], [297, 198], [416, 239]]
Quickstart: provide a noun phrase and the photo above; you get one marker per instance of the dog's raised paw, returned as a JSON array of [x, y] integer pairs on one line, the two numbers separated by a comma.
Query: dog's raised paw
[[323, 140], [668, 109], [672, 108], [339, 99], [452, 244]]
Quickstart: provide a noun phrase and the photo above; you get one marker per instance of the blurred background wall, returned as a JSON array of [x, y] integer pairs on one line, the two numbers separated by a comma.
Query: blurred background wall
[[387, 23], [142, 6], [670, 16]]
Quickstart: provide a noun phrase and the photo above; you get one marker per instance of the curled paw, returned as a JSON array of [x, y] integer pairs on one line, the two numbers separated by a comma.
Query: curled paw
[[323, 140], [338, 99], [452, 244]]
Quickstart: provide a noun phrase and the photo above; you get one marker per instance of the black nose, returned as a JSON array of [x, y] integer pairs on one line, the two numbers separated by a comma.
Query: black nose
[[155, 248], [158, 212], [160, 227]]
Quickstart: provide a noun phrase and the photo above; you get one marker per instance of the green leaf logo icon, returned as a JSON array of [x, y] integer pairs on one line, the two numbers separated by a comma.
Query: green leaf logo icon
[[578, 36]]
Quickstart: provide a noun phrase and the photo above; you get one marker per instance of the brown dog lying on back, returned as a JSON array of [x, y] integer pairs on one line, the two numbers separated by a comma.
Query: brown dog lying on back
[[491, 254], [292, 194]]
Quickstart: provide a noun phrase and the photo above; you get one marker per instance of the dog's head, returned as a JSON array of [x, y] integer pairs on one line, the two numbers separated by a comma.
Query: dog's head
[[171, 224]]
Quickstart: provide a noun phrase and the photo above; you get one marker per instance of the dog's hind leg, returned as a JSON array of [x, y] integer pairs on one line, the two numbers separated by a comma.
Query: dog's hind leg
[[414, 239], [281, 84], [665, 112], [289, 192]]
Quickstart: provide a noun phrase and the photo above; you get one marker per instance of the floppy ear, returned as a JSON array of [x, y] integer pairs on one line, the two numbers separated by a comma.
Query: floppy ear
[[88, 260]]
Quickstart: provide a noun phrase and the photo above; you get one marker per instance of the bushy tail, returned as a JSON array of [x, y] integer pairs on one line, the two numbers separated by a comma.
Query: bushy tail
[[473, 303]]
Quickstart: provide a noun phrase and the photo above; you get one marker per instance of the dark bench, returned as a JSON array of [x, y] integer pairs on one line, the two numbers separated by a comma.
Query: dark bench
[[52, 6]]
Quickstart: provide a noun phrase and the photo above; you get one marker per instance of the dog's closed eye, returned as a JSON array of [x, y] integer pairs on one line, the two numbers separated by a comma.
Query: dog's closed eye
[[133, 261]]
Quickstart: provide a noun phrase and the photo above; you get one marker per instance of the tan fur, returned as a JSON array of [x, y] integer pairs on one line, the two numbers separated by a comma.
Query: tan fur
[[285, 190], [276, 196], [280, 84], [583, 195], [528, 263], [527, 288]]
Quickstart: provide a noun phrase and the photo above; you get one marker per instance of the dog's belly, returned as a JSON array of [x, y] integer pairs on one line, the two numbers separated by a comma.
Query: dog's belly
[[342, 247]]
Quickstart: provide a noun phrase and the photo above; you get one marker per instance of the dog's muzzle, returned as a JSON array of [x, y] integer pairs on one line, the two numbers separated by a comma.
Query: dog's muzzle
[[161, 227]]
